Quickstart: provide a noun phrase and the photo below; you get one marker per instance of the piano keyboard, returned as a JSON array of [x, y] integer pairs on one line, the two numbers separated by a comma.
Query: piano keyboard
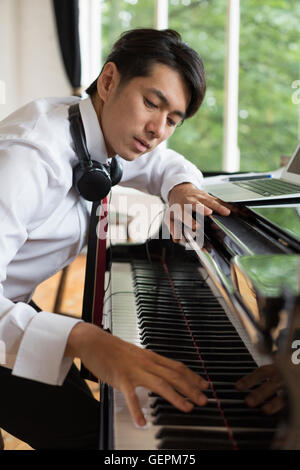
[[146, 305]]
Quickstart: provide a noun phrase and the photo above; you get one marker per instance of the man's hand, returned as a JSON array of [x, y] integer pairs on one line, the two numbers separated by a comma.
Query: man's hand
[[184, 199], [187, 193], [271, 385], [126, 366]]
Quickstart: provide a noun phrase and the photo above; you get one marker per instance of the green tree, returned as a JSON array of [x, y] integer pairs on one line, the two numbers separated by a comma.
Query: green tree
[[269, 63], [202, 25], [122, 15]]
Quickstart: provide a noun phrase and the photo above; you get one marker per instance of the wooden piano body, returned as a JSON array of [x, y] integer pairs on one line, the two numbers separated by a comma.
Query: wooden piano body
[[221, 309]]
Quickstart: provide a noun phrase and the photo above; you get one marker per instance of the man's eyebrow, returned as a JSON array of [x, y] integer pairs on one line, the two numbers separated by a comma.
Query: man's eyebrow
[[162, 97]]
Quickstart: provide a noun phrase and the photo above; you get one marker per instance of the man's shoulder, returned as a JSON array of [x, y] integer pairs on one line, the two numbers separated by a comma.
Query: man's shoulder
[[20, 123], [36, 140]]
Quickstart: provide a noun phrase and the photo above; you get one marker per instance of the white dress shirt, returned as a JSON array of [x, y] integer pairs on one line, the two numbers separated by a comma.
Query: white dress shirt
[[44, 222]]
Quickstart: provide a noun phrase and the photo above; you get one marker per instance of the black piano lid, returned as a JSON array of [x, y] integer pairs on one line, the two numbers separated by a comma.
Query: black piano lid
[[285, 218], [270, 274], [278, 225]]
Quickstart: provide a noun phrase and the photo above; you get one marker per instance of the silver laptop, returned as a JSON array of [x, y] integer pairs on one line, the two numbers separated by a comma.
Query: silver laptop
[[261, 189]]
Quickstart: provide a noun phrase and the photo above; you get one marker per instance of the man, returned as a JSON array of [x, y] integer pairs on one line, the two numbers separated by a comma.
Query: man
[[149, 84]]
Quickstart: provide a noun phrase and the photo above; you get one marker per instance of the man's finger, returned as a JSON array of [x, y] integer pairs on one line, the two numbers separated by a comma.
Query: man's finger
[[185, 381], [265, 391], [133, 405], [163, 388], [215, 205], [255, 377], [275, 405]]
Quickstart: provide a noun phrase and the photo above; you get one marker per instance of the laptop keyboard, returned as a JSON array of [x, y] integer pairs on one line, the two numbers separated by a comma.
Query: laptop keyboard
[[269, 187]]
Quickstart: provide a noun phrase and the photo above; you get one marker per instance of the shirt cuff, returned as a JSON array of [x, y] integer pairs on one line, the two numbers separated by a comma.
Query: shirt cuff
[[41, 353], [179, 179]]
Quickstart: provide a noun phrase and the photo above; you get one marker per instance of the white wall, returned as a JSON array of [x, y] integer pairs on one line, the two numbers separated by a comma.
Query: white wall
[[8, 59], [30, 60]]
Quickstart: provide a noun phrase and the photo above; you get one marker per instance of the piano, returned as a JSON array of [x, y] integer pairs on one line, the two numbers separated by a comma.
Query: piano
[[223, 309]]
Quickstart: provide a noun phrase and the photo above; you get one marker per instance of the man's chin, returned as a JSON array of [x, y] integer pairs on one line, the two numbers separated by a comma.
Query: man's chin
[[130, 157]]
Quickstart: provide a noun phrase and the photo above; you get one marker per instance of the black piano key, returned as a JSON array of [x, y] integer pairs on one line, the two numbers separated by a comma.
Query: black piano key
[[223, 385], [168, 294], [203, 336], [191, 320], [206, 313], [216, 370], [219, 395], [207, 439], [193, 326], [201, 305], [207, 357], [199, 443], [168, 409], [230, 376], [203, 351], [190, 346], [170, 299], [188, 342], [162, 326], [206, 419], [212, 403], [211, 322], [234, 408]]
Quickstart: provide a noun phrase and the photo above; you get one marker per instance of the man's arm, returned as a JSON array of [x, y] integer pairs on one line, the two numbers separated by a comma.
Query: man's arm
[[168, 174], [34, 343], [126, 366], [157, 172]]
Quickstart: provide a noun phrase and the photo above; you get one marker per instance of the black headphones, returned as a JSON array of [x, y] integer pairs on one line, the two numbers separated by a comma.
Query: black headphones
[[92, 180]]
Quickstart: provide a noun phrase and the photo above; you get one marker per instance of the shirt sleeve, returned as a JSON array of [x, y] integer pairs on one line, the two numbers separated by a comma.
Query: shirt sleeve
[[34, 343], [159, 171]]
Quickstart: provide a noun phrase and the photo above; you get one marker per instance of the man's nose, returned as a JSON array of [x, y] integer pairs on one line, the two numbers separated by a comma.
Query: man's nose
[[156, 127]]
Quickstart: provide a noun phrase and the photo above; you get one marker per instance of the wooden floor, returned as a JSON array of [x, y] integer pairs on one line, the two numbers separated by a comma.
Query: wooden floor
[[72, 303]]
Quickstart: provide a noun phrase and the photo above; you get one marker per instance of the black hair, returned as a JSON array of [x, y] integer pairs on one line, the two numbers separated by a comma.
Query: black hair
[[138, 50]]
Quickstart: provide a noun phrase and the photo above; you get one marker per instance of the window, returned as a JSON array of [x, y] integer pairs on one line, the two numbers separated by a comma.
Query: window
[[202, 25], [269, 64], [122, 15], [268, 119]]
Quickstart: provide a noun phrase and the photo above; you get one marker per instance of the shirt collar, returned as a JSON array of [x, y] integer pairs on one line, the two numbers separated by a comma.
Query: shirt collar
[[94, 137]]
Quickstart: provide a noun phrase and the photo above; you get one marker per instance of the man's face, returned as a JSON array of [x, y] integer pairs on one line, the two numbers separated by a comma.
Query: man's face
[[139, 115]]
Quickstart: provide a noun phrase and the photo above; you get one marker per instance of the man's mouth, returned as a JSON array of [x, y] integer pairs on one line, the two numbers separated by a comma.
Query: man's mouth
[[141, 144]]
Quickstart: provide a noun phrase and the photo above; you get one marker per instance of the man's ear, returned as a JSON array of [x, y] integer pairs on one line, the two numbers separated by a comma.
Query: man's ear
[[108, 81]]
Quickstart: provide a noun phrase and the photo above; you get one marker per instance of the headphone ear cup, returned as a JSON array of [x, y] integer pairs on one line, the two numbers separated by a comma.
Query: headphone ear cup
[[116, 170], [92, 183]]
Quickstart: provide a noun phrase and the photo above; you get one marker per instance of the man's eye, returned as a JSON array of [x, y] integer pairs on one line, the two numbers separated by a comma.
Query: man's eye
[[149, 103], [172, 123]]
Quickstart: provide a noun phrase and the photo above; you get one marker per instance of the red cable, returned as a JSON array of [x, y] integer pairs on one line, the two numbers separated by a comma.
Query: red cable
[[229, 431]]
